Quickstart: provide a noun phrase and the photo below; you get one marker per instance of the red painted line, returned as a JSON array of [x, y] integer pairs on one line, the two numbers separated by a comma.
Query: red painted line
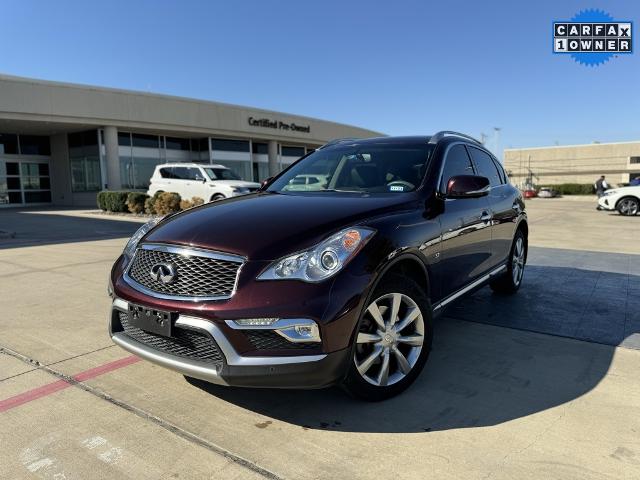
[[48, 389]]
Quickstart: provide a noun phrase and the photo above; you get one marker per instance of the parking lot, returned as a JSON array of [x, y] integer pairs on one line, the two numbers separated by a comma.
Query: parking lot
[[543, 384]]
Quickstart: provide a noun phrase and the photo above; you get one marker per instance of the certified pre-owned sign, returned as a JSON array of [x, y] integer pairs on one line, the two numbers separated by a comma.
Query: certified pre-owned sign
[[592, 37], [269, 123]]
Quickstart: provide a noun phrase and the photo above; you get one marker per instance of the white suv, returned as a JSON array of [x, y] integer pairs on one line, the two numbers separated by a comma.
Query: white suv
[[209, 182], [626, 200]]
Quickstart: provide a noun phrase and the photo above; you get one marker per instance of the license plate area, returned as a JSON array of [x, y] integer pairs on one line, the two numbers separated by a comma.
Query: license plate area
[[151, 319]]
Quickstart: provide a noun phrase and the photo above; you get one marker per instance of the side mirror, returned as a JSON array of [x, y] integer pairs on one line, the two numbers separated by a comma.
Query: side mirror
[[265, 182], [467, 186]]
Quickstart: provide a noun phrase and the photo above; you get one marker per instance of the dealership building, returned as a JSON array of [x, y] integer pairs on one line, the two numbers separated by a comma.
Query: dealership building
[[60, 143], [619, 162]]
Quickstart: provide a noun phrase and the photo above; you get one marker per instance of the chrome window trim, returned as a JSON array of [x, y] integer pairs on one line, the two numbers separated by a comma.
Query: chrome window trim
[[187, 251], [232, 357]]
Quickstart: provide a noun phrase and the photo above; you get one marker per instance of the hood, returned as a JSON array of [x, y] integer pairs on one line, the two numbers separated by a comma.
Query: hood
[[267, 226]]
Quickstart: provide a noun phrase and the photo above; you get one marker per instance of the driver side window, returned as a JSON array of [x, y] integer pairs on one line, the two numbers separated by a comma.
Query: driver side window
[[457, 162]]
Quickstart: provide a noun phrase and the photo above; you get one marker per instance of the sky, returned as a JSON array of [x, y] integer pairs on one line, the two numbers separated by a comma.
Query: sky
[[396, 67]]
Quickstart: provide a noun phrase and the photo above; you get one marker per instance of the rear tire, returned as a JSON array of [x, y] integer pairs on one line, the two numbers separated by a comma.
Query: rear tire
[[388, 354], [509, 282], [628, 206]]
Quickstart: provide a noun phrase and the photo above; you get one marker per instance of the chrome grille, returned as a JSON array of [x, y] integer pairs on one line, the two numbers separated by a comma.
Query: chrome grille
[[199, 274], [183, 342]]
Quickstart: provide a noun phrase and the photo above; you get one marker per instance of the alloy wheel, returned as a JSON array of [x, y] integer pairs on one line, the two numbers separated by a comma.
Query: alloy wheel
[[390, 339], [628, 206], [517, 262]]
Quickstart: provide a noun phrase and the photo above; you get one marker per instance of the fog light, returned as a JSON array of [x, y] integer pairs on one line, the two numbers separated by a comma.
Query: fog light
[[255, 322], [305, 330]]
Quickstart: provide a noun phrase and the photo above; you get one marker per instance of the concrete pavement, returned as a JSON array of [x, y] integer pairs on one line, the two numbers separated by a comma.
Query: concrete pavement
[[493, 402]]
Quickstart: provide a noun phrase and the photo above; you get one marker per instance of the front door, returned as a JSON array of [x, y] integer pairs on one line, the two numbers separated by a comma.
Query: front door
[[465, 251]]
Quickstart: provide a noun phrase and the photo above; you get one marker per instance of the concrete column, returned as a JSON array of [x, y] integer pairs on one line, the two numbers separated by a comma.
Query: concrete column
[[60, 171], [273, 158], [112, 159]]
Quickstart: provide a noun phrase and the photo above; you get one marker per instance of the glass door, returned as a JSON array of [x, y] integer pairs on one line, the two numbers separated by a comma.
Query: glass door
[[23, 182]]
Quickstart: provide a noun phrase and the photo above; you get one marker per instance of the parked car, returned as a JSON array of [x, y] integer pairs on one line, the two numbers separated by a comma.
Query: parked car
[[306, 289], [530, 193], [626, 200], [209, 182], [306, 182], [545, 192]]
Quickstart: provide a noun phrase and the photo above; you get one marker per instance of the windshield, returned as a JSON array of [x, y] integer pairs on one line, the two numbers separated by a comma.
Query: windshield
[[221, 174], [375, 168]]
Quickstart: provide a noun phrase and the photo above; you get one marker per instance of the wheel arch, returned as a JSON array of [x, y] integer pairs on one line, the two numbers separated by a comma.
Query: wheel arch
[[406, 264]]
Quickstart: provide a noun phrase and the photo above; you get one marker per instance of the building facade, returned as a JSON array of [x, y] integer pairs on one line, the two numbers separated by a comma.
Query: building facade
[[619, 162], [61, 143]]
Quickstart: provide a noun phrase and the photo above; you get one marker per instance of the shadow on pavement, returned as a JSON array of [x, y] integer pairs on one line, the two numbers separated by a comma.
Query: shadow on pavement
[[477, 376], [480, 375], [40, 227]]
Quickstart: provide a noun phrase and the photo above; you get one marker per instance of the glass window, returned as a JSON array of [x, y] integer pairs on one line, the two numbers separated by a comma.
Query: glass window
[[174, 143], [199, 144], [142, 140], [8, 143], [292, 151], [37, 197], [486, 167], [261, 148], [85, 174], [124, 139], [13, 168], [457, 162], [13, 183], [181, 173], [34, 145], [371, 168], [230, 145], [221, 174], [83, 139], [195, 174], [166, 173], [241, 169]]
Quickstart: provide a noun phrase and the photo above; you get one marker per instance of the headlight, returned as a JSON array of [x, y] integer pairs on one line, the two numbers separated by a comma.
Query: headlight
[[609, 192], [322, 261], [130, 249]]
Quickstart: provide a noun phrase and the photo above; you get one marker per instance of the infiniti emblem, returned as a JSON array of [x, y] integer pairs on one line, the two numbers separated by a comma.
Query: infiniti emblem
[[164, 272]]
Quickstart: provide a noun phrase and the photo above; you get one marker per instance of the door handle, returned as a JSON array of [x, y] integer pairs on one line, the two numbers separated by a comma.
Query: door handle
[[486, 216]]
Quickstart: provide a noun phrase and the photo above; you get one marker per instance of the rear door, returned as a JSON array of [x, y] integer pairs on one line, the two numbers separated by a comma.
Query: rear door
[[503, 203], [466, 233]]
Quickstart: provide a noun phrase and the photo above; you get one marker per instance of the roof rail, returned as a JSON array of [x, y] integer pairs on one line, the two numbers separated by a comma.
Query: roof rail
[[447, 133], [337, 140]]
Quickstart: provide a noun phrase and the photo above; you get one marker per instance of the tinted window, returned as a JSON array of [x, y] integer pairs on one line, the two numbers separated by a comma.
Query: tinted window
[[166, 173], [221, 174], [260, 148], [173, 143], [83, 139], [38, 145], [195, 174], [503, 174], [8, 143], [181, 173], [486, 167], [292, 151], [124, 139], [230, 145], [149, 141], [456, 163]]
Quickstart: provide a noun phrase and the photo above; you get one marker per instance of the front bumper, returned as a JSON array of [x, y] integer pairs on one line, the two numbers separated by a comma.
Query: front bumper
[[229, 367], [606, 203]]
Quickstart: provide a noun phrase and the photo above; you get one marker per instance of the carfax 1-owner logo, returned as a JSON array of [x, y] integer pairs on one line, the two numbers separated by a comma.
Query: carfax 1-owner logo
[[592, 37]]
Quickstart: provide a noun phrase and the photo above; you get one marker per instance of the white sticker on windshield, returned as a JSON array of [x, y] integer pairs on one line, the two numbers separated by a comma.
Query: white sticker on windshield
[[396, 188]]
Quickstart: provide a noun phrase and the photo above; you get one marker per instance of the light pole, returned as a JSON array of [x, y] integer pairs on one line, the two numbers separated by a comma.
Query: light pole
[[497, 140]]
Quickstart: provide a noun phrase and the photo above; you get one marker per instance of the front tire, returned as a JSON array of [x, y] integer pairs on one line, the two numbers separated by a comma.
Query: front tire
[[628, 206], [509, 282], [393, 341], [217, 196]]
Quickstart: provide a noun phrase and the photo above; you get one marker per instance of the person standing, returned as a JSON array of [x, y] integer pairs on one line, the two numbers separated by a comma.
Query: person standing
[[601, 185], [635, 182]]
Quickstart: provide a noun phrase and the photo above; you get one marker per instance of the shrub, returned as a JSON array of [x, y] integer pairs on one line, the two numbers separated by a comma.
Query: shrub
[[194, 202], [136, 201], [167, 202], [150, 204], [574, 188], [112, 201]]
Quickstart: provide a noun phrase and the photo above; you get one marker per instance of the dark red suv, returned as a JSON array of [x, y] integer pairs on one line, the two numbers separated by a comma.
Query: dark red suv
[[330, 274]]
